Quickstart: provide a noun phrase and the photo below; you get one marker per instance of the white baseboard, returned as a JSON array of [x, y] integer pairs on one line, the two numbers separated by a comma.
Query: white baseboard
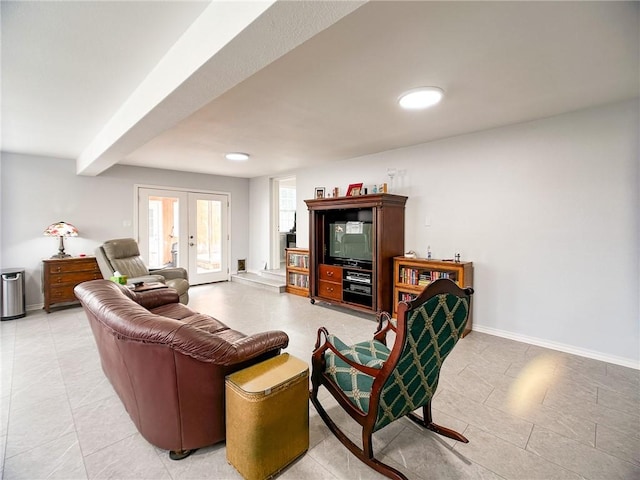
[[582, 352]]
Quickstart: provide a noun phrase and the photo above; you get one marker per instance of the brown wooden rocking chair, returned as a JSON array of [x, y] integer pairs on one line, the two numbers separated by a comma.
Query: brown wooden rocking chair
[[377, 385]]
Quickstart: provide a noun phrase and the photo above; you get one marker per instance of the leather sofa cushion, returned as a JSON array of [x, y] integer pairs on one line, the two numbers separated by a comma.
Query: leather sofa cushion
[[203, 322], [206, 323], [177, 311]]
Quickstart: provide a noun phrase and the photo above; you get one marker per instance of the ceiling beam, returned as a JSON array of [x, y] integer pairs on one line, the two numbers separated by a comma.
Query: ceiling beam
[[228, 42]]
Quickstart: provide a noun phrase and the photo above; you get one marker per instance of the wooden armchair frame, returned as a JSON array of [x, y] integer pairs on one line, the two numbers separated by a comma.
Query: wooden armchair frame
[[380, 375]]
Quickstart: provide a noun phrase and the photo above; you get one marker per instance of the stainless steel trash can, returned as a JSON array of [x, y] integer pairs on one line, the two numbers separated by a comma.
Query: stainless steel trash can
[[12, 297]]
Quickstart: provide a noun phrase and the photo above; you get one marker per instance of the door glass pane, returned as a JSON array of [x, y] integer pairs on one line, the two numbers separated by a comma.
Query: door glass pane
[[209, 232], [163, 231]]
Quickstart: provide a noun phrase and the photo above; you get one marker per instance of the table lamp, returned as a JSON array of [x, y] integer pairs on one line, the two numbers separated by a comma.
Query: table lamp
[[61, 230]]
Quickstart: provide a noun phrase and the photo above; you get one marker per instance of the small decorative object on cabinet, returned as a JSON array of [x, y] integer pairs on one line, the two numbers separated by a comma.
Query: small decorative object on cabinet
[[297, 271], [61, 229], [354, 190], [411, 275], [60, 275]]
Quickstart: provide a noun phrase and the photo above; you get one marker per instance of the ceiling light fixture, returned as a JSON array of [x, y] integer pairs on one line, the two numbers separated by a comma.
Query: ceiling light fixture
[[237, 156], [422, 97]]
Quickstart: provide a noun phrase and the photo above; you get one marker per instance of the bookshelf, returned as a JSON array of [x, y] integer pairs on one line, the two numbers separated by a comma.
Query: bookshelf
[[297, 271], [411, 275]]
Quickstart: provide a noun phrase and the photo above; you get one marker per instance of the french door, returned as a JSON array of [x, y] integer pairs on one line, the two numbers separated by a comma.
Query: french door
[[185, 229]]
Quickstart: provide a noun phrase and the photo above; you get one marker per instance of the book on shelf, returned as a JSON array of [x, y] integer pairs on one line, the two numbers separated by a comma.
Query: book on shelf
[[407, 297], [414, 276], [299, 280], [410, 276], [437, 275], [298, 260]]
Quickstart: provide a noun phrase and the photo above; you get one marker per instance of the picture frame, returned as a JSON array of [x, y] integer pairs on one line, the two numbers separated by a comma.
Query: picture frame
[[320, 192], [354, 189]]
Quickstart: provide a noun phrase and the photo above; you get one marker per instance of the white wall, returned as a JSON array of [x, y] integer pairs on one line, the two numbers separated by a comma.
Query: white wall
[[259, 223], [37, 191], [547, 211]]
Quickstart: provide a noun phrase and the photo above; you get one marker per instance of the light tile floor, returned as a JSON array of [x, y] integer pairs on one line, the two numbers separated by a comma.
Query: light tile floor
[[574, 418]]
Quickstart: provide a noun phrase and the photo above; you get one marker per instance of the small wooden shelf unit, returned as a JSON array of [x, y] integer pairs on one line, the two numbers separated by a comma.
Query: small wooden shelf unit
[[412, 275], [297, 271]]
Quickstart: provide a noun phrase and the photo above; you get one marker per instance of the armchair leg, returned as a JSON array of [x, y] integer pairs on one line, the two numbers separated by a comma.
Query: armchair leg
[[427, 422]]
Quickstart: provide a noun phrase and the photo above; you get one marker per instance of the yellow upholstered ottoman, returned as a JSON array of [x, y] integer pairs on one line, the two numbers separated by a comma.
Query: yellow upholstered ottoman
[[267, 416]]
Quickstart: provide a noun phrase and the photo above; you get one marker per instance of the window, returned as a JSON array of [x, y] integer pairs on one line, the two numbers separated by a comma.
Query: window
[[287, 208]]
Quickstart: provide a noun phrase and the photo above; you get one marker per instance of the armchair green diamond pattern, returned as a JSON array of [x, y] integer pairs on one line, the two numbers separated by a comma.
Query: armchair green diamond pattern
[[376, 384]]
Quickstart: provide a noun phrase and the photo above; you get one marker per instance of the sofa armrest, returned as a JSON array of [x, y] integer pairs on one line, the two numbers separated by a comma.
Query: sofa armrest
[[227, 347], [155, 298], [253, 346], [171, 272]]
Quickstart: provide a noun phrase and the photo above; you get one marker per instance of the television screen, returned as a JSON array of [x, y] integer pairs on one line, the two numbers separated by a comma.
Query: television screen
[[350, 240]]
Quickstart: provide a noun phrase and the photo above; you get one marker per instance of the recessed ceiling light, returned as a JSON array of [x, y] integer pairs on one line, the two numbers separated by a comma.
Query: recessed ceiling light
[[422, 97], [237, 156]]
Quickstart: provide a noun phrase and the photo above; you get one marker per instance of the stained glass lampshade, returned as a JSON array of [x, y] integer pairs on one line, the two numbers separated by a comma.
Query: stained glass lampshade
[[61, 230]]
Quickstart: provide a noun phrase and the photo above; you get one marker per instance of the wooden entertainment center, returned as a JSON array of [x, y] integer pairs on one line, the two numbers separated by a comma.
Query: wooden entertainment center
[[352, 243]]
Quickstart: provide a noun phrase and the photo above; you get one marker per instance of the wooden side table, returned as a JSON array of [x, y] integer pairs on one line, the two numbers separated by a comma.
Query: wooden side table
[[61, 275]]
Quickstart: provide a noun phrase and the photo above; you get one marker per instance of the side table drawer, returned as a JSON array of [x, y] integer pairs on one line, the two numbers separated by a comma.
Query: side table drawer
[[330, 290], [330, 272], [75, 265], [62, 293], [73, 278]]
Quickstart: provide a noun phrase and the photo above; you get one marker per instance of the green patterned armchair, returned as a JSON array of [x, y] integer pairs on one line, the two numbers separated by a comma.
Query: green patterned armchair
[[377, 385]]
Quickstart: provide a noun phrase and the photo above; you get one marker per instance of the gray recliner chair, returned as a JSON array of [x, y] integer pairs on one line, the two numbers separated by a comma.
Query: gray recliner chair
[[123, 255]]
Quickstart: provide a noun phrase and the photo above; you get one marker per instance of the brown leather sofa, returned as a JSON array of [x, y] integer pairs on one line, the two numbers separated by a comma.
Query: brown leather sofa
[[168, 363]]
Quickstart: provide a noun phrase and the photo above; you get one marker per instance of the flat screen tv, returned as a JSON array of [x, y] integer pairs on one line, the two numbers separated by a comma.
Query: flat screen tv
[[350, 239]]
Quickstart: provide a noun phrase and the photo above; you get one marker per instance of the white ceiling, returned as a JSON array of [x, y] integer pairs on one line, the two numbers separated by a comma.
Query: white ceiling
[[176, 85]]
